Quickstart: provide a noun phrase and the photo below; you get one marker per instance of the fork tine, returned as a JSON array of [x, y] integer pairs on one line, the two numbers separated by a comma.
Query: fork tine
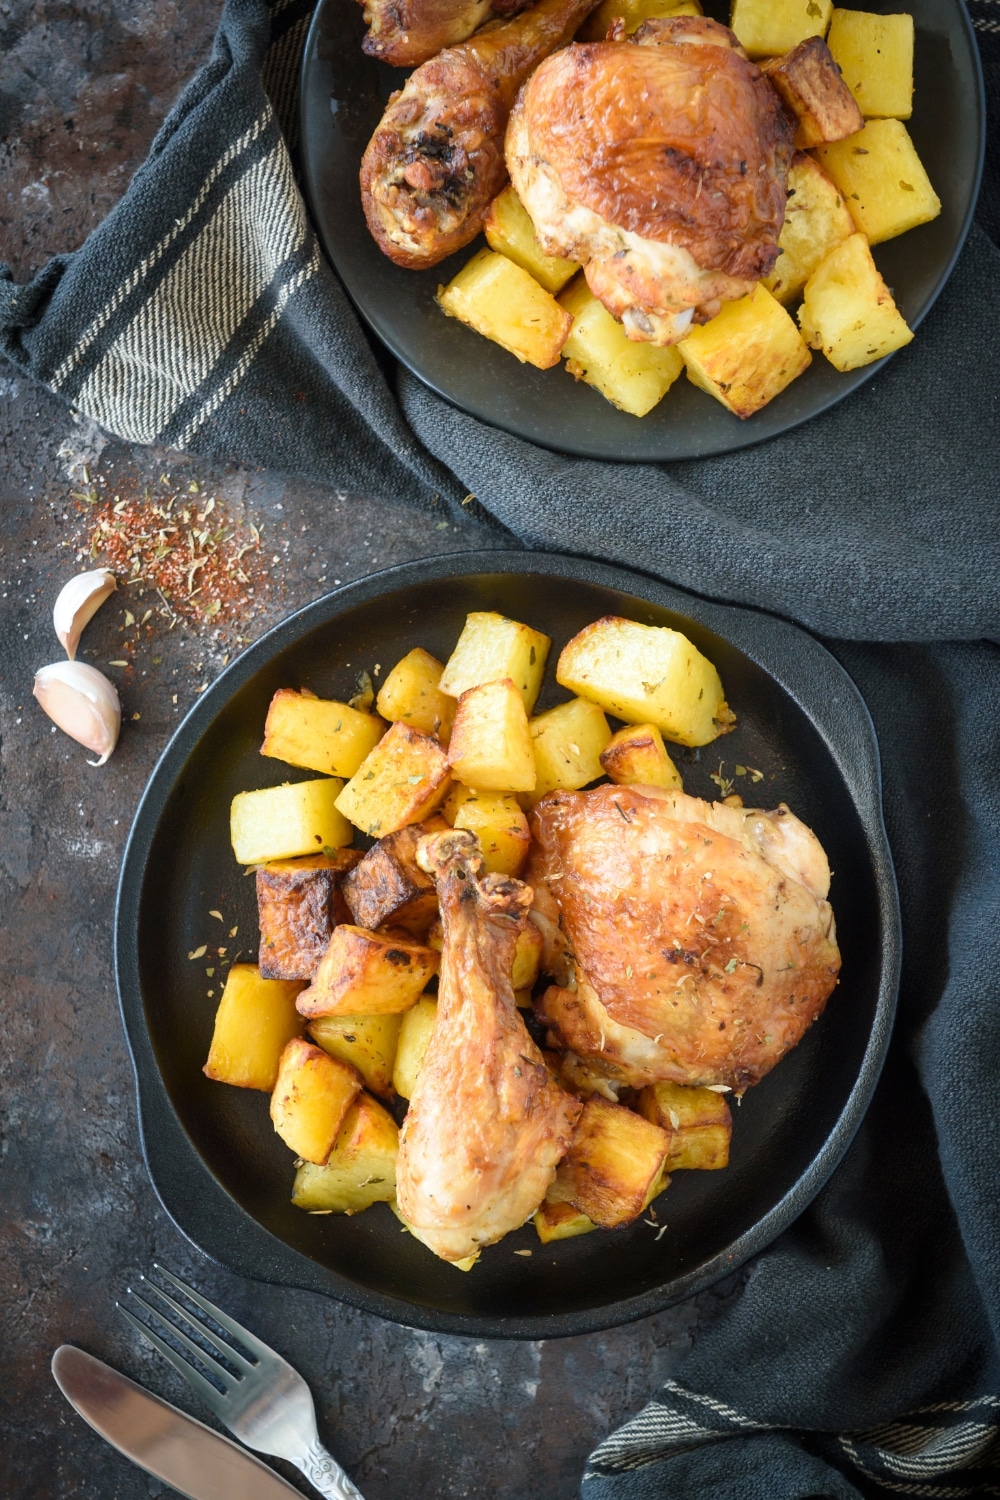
[[219, 1346], [246, 1338], [195, 1378], [211, 1361]]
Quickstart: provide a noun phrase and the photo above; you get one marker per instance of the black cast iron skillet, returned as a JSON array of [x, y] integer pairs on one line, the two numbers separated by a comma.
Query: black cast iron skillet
[[341, 100], [221, 1172]]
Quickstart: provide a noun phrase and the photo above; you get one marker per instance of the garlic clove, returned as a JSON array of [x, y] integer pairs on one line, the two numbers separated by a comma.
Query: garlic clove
[[82, 703], [77, 603]]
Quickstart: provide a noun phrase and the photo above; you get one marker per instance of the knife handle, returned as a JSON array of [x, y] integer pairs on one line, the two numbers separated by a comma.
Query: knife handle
[[325, 1474]]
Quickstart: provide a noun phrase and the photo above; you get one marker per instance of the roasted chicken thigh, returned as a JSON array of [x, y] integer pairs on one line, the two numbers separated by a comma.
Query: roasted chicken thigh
[[660, 163], [486, 1125], [693, 941]]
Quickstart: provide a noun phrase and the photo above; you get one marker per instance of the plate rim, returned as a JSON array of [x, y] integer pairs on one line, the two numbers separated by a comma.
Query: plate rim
[[217, 1224], [744, 438]]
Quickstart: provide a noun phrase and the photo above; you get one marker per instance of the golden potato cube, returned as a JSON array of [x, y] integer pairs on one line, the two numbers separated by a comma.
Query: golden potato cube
[[319, 733], [567, 742], [501, 301], [875, 55], [848, 310], [614, 1166], [497, 821], [746, 354], [492, 647], [522, 999], [527, 957], [368, 1043], [412, 692], [633, 13], [282, 822], [311, 1097], [367, 973], [509, 231], [809, 81], [632, 376], [414, 1035], [698, 1120], [560, 1221], [882, 179], [388, 886], [647, 674], [637, 756], [255, 1020], [490, 746], [402, 781], [769, 27], [816, 219], [361, 1168], [299, 903]]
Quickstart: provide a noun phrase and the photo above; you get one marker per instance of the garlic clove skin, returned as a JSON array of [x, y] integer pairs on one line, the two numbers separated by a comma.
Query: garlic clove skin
[[78, 602], [82, 703]]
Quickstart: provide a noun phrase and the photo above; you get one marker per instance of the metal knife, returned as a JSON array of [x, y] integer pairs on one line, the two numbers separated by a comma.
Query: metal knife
[[167, 1443]]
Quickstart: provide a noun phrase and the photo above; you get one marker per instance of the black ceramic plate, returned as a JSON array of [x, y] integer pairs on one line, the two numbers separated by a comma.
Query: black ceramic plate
[[222, 1173], [342, 97]]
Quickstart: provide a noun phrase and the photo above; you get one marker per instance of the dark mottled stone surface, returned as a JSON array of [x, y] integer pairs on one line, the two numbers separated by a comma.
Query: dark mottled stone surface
[[83, 88]]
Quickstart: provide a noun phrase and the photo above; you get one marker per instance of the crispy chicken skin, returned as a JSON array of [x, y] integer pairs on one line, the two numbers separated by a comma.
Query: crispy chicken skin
[[661, 163], [436, 161], [406, 33], [486, 1125], [694, 942]]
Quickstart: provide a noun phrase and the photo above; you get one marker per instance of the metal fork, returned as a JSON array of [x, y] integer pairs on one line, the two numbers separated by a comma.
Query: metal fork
[[266, 1404]]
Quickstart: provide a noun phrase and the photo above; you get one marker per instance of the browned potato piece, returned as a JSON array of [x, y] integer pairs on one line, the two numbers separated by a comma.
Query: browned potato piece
[[282, 822], [402, 781], [411, 692], [560, 1221], [882, 179], [299, 903], [367, 973], [637, 756], [492, 647], [389, 886], [497, 821], [816, 219], [769, 27], [809, 81], [566, 742], [256, 1017], [361, 1169], [699, 1122], [318, 733], [501, 301], [747, 354], [614, 1165], [415, 1031], [311, 1097], [848, 310], [875, 55], [368, 1043], [510, 232], [490, 744]]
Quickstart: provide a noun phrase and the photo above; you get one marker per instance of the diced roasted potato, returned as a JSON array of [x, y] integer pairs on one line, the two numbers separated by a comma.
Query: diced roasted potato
[[366, 973], [255, 1019], [875, 55], [560, 1221], [632, 376], [527, 957], [492, 647], [633, 13], [816, 219], [637, 756], [747, 354], [319, 733], [497, 821], [809, 81], [522, 999], [389, 886], [368, 1043], [567, 742], [501, 301], [647, 674], [509, 231], [490, 745], [281, 822], [361, 1168], [848, 310], [614, 1165], [414, 1034], [412, 692], [402, 781], [699, 1123], [882, 179], [299, 903], [311, 1097], [769, 27]]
